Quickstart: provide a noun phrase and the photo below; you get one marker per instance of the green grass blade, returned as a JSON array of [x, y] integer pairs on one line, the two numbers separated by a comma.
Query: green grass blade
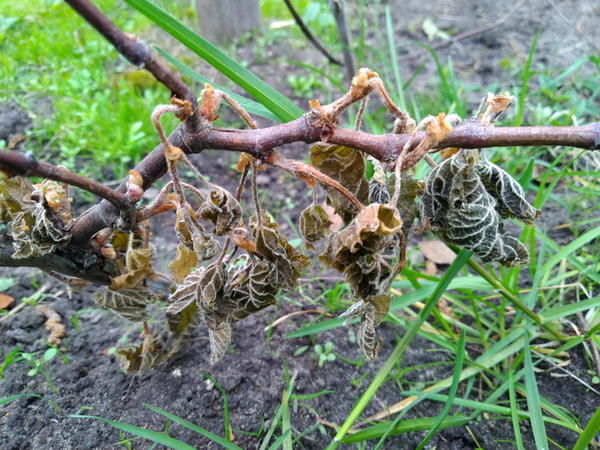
[[406, 426], [389, 29], [226, 421], [398, 352], [525, 76], [533, 403], [276, 102], [514, 410], [286, 423], [281, 439], [568, 249], [591, 430], [5, 400], [192, 426], [251, 106], [271, 430], [570, 309], [460, 356], [527, 174], [154, 436]]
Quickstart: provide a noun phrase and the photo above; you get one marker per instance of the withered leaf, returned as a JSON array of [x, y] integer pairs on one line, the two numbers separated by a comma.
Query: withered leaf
[[193, 235], [367, 275], [272, 245], [129, 303], [210, 286], [508, 193], [186, 293], [367, 337], [45, 228], [55, 197], [346, 165], [262, 284], [462, 211], [314, 224], [130, 358], [183, 263], [140, 358], [220, 339], [138, 268], [182, 323], [364, 235], [222, 209]]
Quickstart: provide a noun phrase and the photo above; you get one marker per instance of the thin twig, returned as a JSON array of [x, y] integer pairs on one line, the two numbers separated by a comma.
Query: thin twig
[[311, 38], [15, 163]]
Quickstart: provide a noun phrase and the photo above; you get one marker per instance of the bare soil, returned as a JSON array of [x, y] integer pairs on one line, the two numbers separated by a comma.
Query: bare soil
[[254, 373]]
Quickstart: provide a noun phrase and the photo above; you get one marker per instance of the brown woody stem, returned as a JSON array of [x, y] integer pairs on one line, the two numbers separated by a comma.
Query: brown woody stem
[[138, 53], [15, 163]]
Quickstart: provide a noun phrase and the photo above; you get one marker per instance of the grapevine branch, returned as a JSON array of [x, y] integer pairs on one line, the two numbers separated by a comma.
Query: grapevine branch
[[196, 134]]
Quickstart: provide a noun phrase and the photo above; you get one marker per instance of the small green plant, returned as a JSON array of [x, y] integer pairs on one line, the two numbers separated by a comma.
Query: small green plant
[[39, 365], [324, 353]]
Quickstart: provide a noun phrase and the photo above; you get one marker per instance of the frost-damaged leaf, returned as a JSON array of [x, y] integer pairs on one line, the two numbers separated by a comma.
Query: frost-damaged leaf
[[183, 263], [367, 337], [262, 284], [508, 193], [193, 235], [45, 228], [222, 209], [407, 201], [186, 293], [140, 358], [220, 339], [314, 224], [182, 324], [346, 165], [367, 275], [370, 312], [364, 235], [272, 245], [56, 198], [138, 268], [15, 193], [210, 286], [462, 212], [129, 303]]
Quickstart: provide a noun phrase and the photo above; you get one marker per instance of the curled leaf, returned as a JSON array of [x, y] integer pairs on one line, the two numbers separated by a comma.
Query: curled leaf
[[347, 166], [183, 263], [314, 224], [508, 193], [220, 339], [138, 268], [262, 284], [273, 246], [222, 209], [210, 286], [463, 212], [186, 292], [129, 303]]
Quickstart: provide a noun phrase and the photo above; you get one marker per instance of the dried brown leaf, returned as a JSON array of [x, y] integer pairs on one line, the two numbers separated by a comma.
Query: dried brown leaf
[[186, 292], [222, 209], [437, 252], [347, 166], [6, 301], [314, 224], [138, 268], [129, 303], [220, 339], [183, 263]]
